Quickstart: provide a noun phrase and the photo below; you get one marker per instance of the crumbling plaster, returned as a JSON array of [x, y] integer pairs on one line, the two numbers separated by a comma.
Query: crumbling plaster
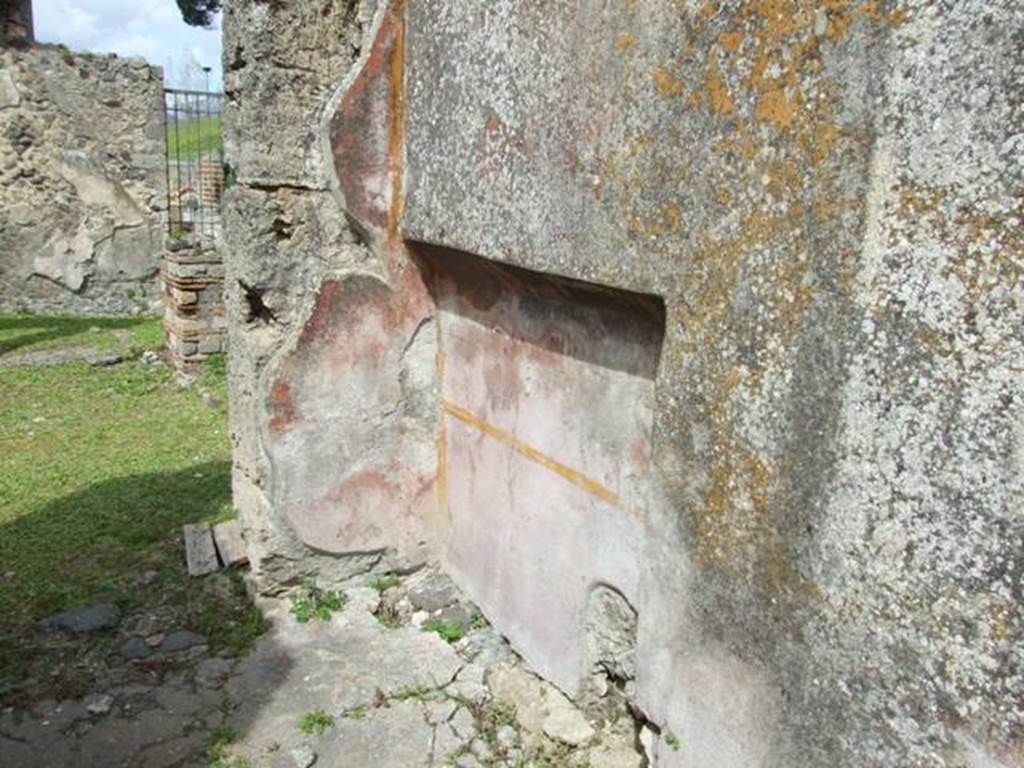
[[827, 196]]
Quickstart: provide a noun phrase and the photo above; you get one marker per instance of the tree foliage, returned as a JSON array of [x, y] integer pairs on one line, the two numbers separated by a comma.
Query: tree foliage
[[199, 13]]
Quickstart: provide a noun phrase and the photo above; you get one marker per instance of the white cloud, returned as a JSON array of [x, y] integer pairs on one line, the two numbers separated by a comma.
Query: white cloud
[[152, 29]]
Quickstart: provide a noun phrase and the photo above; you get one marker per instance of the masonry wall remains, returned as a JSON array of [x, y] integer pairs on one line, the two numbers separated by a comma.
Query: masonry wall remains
[[686, 335], [82, 182]]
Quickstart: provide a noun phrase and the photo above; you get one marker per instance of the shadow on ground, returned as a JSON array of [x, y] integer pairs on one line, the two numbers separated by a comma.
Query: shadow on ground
[[28, 330], [94, 543]]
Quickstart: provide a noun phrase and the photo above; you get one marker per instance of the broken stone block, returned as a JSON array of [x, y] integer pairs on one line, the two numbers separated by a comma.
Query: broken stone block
[[433, 593], [200, 552], [565, 723], [230, 545]]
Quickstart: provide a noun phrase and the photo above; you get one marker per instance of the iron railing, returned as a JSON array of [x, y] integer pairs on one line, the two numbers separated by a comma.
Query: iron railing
[[194, 164]]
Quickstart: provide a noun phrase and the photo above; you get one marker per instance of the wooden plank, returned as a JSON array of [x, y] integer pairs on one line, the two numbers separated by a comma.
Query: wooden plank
[[230, 545], [200, 554]]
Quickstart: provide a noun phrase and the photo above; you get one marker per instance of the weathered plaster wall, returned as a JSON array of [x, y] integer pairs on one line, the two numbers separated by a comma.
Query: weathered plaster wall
[[82, 184], [827, 198], [323, 351]]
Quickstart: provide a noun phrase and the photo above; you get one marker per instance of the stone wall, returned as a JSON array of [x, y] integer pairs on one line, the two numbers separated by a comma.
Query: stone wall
[[16, 23], [82, 184], [709, 312]]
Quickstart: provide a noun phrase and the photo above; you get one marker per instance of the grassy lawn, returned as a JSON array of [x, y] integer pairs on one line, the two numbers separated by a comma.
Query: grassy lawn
[[33, 332], [191, 139], [99, 469]]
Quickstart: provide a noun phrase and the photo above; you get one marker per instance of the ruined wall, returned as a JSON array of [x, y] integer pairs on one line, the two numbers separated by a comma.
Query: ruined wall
[[290, 248], [725, 304], [16, 22], [81, 181]]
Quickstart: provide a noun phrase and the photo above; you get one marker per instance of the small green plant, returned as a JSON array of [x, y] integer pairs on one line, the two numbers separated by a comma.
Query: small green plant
[[672, 740], [387, 615], [491, 717], [357, 712], [418, 692], [384, 583], [451, 631], [217, 753], [315, 722], [312, 602]]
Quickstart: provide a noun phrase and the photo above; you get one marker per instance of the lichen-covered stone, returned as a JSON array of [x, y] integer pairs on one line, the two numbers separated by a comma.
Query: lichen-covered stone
[[82, 185], [822, 543]]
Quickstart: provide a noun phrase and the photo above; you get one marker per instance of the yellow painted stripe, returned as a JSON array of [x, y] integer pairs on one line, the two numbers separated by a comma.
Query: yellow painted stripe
[[573, 476]]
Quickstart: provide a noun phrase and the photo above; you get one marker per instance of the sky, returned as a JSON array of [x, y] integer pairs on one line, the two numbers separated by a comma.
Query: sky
[[152, 29]]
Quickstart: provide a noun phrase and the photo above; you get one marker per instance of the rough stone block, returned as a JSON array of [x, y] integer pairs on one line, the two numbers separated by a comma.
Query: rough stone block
[[200, 552], [230, 544]]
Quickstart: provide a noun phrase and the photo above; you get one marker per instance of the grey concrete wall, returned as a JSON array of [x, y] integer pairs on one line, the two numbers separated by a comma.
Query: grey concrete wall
[[82, 185], [827, 199]]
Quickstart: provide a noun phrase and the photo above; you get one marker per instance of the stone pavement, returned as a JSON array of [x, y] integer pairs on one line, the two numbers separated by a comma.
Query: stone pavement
[[375, 685]]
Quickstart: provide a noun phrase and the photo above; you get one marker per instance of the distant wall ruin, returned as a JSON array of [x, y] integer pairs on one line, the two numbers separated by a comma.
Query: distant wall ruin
[[16, 27], [82, 187], [705, 316]]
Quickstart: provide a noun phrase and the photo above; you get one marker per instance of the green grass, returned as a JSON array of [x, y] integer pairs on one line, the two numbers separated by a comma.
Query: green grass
[[99, 468], [311, 602], [315, 722], [192, 139], [218, 751], [451, 631], [384, 583], [40, 332]]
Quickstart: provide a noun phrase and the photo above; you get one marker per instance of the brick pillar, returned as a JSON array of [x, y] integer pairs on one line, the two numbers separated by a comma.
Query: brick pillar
[[195, 323]]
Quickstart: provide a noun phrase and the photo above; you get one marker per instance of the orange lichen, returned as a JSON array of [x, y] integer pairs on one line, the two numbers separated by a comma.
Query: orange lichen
[[666, 84], [623, 41], [718, 92], [776, 108], [731, 41]]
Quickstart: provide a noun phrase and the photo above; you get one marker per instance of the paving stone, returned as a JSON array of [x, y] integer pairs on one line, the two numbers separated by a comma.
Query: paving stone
[[181, 640], [565, 723], [446, 743], [135, 648], [212, 673], [333, 666], [87, 619], [440, 711], [397, 736], [615, 757], [463, 724], [178, 701], [172, 753]]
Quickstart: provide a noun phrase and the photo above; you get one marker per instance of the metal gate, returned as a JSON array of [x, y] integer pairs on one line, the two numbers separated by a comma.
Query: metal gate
[[194, 164]]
